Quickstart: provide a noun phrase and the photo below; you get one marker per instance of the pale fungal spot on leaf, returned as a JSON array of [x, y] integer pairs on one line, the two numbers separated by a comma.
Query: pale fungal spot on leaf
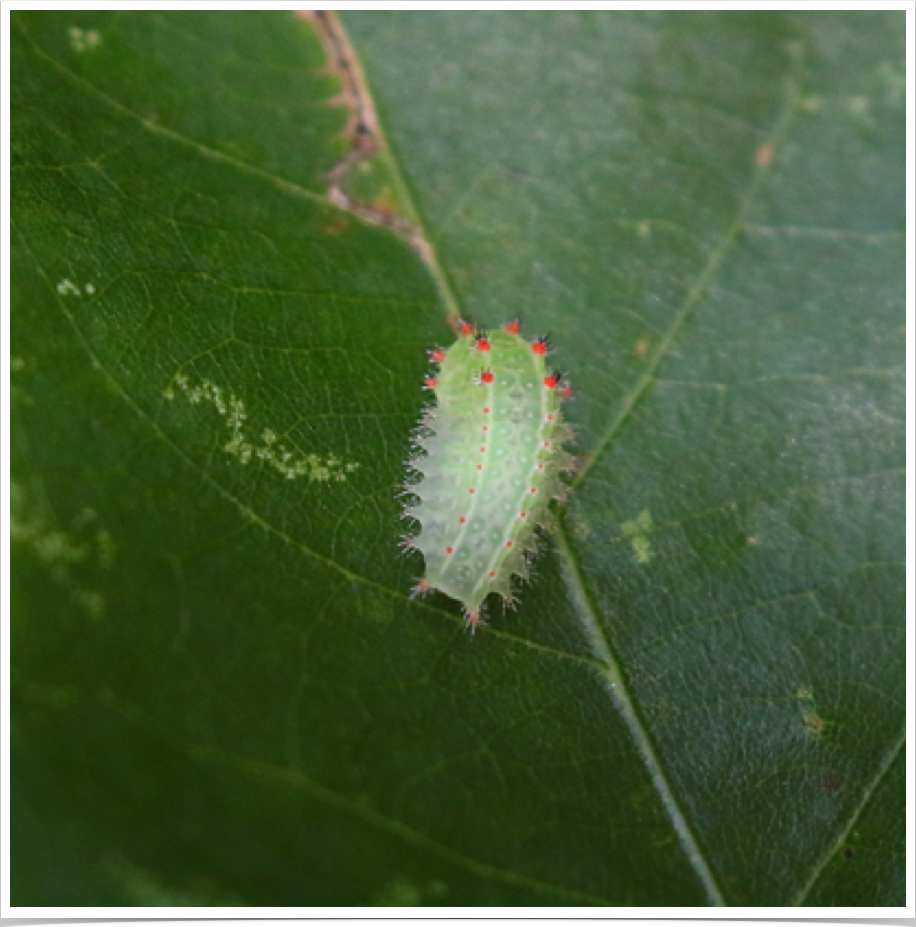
[[637, 531], [811, 104], [859, 105], [145, 888], [812, 723], [82, 40], [644, 228], [894, 78], [402, 893], [582, 530], [68, 288], [267, 446], [62, 552]]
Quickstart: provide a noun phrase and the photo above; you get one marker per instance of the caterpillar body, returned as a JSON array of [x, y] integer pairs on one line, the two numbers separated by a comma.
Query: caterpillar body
[[489, 459]]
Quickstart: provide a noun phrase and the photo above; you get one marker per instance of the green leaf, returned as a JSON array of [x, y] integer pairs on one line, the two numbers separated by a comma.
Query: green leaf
[[223, 694]]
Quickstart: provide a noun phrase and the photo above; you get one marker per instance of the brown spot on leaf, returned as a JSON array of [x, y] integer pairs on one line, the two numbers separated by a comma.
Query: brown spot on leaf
[[831, 782]]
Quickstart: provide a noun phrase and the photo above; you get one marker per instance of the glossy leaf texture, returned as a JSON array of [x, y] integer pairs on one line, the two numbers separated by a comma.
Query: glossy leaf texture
[[223, 694]]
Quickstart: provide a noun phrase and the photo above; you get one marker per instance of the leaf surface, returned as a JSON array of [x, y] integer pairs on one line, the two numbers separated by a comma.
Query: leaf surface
[[223, 693]]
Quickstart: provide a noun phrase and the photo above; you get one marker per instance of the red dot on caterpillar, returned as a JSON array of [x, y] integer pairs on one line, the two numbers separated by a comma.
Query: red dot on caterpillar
[[482, 344], [541, 346], [450, 550], [534, 490], [437, 355], [430, 382], [487, 377], [552, 381], [462, 520], [465, 328], [510, 543], [513, 327], [492, 574], [523, 515], [486, 411]]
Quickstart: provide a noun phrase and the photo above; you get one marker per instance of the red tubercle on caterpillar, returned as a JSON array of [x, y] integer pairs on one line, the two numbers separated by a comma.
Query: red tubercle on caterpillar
[[472, 619], [436, 355], [541, 346], [510, 543], [522, 514], [482, 344], [465, 328], [492, 574], [486, 410], [430, 383], [567, 393], [487, 377], [450, 550], [420, 589], [513, 327], [462, 520], [552, 380]]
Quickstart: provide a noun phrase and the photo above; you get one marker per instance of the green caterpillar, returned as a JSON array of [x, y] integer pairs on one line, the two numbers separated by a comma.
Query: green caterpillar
[[489, 461]]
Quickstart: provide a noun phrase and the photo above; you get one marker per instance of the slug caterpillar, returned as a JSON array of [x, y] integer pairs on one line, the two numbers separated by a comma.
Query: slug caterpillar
[[489, 458]]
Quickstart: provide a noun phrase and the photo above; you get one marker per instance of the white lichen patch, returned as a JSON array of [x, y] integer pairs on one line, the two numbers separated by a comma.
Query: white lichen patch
[[82, 40], [638, 532], [267, 447]]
